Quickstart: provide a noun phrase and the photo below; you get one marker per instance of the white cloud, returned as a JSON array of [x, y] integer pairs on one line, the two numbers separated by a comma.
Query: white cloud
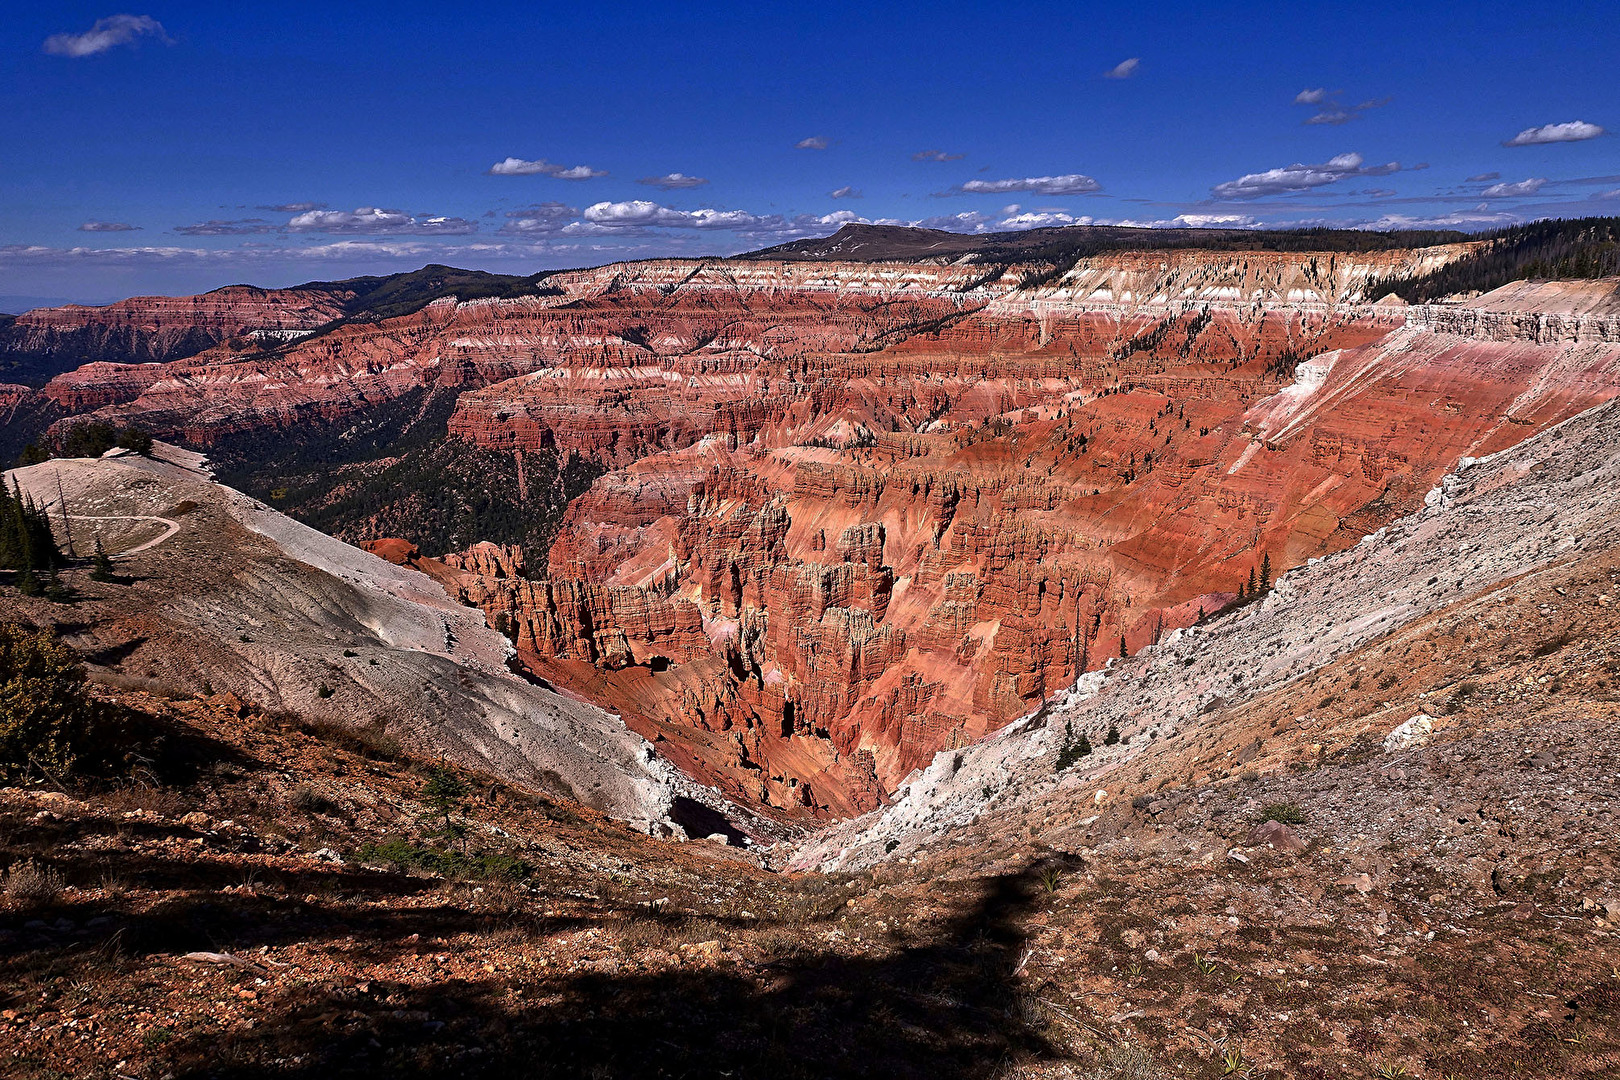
[[108, 33], [293, 208], [1523, 187], [1069, 184], [1484, 178], [237, 227], [513, 166], [673, 181], [638, 213], [1124, 69], [936, 155], [1039, 219], [1480, 218], [1311, 97], [836, 218], [814, 142], [256, 254], [845, 192], [1213, 221], [540, 220], [371, 219], [1298, 177], [968, 221], [1574, 131], [1615, 194], [108, 226]]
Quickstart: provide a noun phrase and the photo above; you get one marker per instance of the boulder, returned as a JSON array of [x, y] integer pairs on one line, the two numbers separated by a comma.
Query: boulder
[[1276, 835]]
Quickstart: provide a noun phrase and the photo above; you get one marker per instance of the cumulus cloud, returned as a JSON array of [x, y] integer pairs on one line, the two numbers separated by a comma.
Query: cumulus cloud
[[108, 33], [293, 207], [1213, 221], [936, 155], [539, 220], [638, 213], [672, 181], [836, 218], [814, 142], [1069, 184], [1298, 177], [1573, 131], [371, 219], [1523, 187], [1484, 178], [1039, 219], [1311, 97], [845, 192], [969, 221], [1124, 69], [1480, 218], [108, 226], [237, 227], [513, 166]]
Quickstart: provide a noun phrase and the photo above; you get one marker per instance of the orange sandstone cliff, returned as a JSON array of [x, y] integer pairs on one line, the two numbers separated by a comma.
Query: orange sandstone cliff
[[858, 513]]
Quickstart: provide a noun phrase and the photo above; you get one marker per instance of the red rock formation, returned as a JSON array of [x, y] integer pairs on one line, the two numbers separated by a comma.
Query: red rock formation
[[859, 513], [159, 328], [12, 398], [1060, 491]]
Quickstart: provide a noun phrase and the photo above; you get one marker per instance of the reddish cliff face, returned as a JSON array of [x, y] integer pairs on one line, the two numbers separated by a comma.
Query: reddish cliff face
[[158, 328], [12, 398], [925, 540], [860, 513]]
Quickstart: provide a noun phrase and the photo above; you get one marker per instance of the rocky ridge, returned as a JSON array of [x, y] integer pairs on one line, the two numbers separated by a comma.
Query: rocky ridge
[[223, 593], [153, 329]]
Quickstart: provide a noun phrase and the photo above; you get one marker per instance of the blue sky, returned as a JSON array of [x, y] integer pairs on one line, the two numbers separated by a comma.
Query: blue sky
[[175, 147]]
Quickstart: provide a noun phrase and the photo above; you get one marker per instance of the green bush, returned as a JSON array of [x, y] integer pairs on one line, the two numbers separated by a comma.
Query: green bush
[[1071, 749], [405, 855], [1285, 812], [44, 715]]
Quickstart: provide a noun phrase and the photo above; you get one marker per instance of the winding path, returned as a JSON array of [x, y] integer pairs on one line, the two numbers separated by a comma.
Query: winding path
[[172, 528]]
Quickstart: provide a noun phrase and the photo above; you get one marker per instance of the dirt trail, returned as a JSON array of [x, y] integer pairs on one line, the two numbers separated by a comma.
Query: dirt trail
[[172, 527]]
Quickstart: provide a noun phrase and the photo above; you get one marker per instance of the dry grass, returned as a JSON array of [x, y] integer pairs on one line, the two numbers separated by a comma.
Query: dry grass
[[31, 884]]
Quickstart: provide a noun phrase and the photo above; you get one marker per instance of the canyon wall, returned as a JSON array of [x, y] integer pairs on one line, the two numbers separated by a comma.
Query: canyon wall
[[146, 329], [857, 513]]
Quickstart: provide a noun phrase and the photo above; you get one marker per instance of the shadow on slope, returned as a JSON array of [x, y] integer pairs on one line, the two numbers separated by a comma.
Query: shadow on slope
[[942, 1007]]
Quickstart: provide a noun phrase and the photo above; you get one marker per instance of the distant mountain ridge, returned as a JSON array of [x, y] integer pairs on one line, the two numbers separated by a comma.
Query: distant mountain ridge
[[883, 243], [42, 343]]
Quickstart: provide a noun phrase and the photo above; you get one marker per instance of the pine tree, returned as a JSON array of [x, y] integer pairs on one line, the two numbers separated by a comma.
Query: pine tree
[[26, 543], [1265, 571], [101, 568], [1112, 737], [444, 793], [1123, 651], [1068, 751], [1252, 594], [1085, 746]]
